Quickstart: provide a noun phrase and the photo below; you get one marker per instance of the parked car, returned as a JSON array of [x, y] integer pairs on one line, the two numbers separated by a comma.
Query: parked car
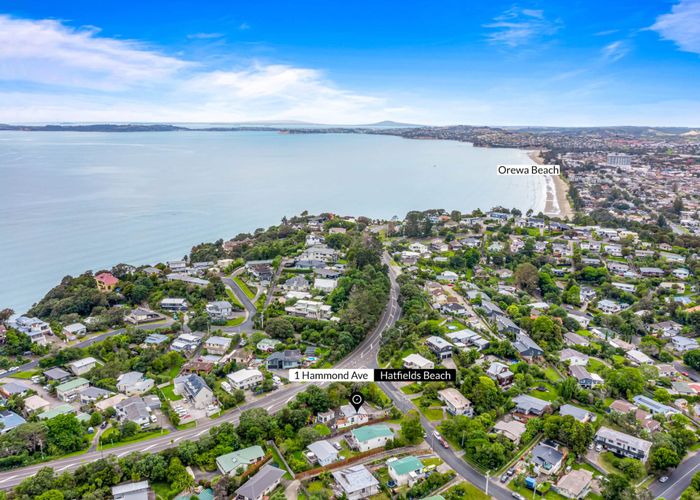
[[663, 479], [504, 478]]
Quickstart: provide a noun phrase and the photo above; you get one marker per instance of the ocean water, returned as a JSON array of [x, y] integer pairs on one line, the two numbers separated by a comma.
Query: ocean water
[[75, 201]]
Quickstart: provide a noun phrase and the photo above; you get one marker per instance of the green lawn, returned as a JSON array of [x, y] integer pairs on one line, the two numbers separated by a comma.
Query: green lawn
[[233, 298], [276, 457], [137, 439], [161, 490], [456, 325], [322, 429], [551, 374], [431, 461], [472, 492], [413, 388], [169, 394], [432, 414], [527, 493], [235, 321], [25, 375], [549, 395], [595, 366], [242, 285], [317, 488]]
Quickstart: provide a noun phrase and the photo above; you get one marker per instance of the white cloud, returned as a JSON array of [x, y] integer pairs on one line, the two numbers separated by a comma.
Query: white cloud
[[681, 25], [204, 36], [49, 52], [615, 51], [58, 73], [517, 26]]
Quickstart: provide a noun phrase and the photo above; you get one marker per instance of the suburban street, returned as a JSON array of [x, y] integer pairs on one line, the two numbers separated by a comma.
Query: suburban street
[[363, 356], [679, 479]]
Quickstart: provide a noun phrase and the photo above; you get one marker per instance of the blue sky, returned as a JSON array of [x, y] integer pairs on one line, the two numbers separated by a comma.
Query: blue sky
[[496, 63]]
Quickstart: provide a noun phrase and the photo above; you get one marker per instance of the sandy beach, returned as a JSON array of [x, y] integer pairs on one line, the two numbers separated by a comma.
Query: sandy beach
[[557, 203]]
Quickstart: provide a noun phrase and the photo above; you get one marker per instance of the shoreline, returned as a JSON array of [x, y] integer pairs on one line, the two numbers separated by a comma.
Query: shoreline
[[556, 192]]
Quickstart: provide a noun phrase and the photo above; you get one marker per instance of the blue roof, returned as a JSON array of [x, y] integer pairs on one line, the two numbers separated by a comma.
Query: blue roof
[[10, 420]]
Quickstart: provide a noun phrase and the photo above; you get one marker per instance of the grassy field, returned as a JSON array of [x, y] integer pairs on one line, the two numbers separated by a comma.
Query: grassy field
[[168, 393], [551, 374], [276, 457], [527, 493], [25, 375], [235, 321], [322, 429], [243, 286], [232, 297], [472, 492], [432, 414], [549, 395], [137, 439]]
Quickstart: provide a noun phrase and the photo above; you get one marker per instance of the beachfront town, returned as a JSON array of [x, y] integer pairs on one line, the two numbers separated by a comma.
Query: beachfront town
[[573, 340]]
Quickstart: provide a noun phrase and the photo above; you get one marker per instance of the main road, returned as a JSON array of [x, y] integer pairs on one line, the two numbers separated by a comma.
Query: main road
[[363, 355]]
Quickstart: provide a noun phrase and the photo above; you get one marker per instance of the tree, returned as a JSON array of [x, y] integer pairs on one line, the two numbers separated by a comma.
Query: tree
[[280, 328], [526, 277], [617, 487], [51, 495], [662, 458], [625, 381], [65, 434], [692, 359], [411, 428]]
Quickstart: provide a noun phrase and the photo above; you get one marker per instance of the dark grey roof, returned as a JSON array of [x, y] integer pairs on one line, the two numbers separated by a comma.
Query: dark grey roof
[[256, 485]]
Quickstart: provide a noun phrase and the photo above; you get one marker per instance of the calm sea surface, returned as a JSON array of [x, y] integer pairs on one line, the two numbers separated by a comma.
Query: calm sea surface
[[76, 201]]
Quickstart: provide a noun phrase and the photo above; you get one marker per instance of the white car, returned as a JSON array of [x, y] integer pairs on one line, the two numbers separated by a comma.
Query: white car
[[663, 479]]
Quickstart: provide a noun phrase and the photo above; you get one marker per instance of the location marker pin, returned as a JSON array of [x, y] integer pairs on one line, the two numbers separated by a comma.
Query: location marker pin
[[356, 400]]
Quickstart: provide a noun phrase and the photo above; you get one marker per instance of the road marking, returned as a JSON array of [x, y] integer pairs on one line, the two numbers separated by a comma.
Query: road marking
[[202, 432], [63, 468], [177, 439], [148, 447], [123, 453], [7, 479]]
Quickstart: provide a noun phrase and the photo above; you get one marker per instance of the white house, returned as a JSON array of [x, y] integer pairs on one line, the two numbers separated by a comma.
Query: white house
[[133, 383], [638, 357], [325, 285], [455, 402], [369, 437], [324, 452], [245, 379], [406, 470], [348, 416], [356, 482], [416, 361], [80, 366]]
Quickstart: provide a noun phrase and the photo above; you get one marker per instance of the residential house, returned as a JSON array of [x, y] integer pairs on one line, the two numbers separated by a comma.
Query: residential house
[[406, 470], [638, 357], [81, 366], [655, 407], [623, 444], [500, 373], [349, 416], [666, 329], [229, 463], [217, 345], [324, 452], [93, 394], [296, 284], [174, 304], [261, 484], [584, 378], [574, 339], [455, 402], [56, 375], [529, 405], [9, 420], [283, 360], [311, 309], [325, 285], [68, 390], [526, 347], [134, 383], [356, 482], [106, 282], [579, 414], [439, 346], [74, 330], [35, 404], [547, 458], [13, 389], [369, 437], [220, 310], [133, 491], [134, 409], [195, 389], [683, 344], [245, 379], [652, 272], [155, 339], [141, 315], [34, 328], [609, 306], [417, 362], [573, 357], [449, 276], [575, 484], [512, 429], [186, 343]]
